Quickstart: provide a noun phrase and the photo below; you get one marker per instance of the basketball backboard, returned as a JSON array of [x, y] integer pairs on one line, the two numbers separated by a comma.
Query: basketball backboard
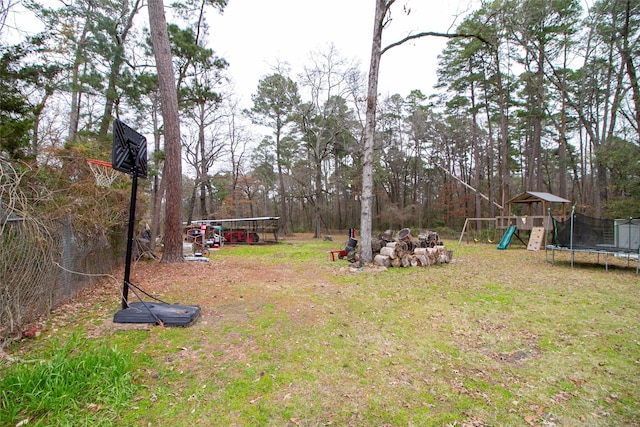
[[129, 150]]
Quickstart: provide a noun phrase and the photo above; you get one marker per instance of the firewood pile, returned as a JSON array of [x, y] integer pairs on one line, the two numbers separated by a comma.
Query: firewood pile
[[406, 250]]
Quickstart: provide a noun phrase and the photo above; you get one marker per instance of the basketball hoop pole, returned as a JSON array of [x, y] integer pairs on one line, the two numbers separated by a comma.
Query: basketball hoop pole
[[132, 217]]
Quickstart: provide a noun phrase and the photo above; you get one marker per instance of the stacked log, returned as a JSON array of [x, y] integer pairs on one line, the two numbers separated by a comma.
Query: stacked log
[[408, 251], [382, 260]]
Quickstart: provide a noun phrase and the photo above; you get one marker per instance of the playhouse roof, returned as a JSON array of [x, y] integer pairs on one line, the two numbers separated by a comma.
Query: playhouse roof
[[537, 201], [535, 196]]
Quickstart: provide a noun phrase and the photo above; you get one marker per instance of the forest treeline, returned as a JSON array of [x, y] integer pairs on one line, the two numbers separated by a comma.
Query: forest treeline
[[544, 97]]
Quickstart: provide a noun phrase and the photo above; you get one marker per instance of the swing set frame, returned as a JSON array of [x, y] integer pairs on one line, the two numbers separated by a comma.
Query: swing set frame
[[467, 227]]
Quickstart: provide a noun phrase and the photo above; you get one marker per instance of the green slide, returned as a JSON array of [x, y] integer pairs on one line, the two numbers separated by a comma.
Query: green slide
[[506, 239]]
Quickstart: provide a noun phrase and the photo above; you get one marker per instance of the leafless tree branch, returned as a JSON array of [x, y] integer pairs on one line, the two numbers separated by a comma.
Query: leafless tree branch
[[435, 34]]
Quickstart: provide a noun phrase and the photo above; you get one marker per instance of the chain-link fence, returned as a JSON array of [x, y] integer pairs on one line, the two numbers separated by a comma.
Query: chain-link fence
[[51, 247], [43, 266]]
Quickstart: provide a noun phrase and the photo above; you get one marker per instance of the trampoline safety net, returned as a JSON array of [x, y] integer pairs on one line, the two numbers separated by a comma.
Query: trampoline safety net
[[593, 233]]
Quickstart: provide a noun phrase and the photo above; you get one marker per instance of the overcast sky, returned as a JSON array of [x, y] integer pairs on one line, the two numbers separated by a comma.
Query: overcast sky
[[254, 35]]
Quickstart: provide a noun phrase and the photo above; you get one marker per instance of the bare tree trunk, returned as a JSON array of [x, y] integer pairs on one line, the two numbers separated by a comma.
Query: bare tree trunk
[[158, 184], [204, 211], [192, 203], [319, 202], [537, 124], [366, 256], [76, 94], [341, 206], [284, 215], [35, 139], [562, 153], [173, 160], [476, 158], [627, 59], [203, 167], [158, 195], [504, 136]]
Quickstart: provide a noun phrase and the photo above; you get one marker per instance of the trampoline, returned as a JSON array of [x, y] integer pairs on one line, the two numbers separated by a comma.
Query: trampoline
[[583, 234]]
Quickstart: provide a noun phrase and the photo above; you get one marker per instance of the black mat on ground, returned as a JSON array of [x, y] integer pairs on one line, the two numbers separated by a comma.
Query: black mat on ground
[[151, 312]]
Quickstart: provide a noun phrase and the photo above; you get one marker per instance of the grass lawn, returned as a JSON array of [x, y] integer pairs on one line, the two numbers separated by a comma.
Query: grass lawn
[[289, 338]]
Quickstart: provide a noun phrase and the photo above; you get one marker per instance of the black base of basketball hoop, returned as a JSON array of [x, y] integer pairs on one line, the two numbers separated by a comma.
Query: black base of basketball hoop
[[158, 314]]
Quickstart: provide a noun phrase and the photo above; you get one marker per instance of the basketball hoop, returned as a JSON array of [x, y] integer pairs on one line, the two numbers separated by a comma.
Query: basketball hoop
[[103, 172]]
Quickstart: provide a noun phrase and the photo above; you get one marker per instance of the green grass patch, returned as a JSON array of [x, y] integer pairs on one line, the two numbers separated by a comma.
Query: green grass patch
[[289, 337], [78, 383]]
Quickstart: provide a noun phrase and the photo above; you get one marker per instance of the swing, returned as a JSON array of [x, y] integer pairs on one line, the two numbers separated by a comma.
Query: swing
[[474, 234], [493, 236], [488, 233]]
